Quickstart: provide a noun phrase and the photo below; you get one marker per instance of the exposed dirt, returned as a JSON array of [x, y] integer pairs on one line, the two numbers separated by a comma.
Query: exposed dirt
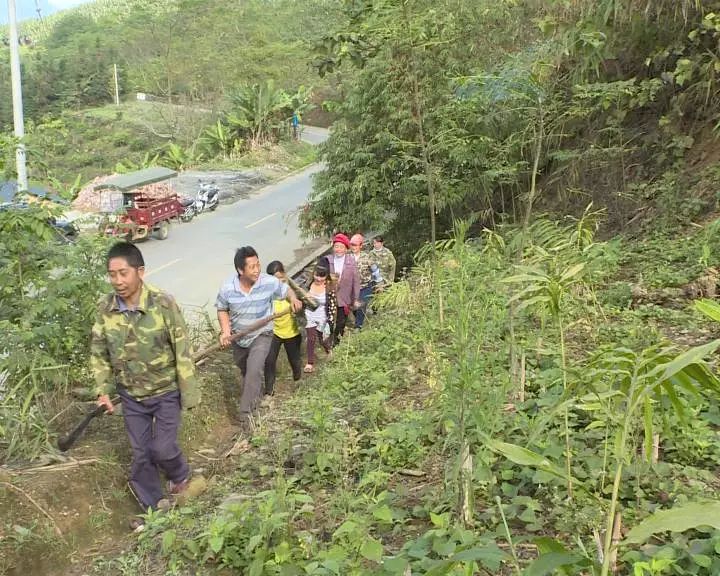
[[233, 184], [59, 520]]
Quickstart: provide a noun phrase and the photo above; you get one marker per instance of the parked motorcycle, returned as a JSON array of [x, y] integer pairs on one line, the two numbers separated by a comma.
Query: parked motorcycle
[[208, 197], [189, 205]]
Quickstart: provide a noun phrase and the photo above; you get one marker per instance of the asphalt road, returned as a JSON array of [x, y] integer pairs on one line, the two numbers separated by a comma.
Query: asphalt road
[[196, 257]]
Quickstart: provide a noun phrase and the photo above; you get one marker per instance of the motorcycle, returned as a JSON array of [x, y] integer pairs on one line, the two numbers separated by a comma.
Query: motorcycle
[[208, 197], [189, 205]]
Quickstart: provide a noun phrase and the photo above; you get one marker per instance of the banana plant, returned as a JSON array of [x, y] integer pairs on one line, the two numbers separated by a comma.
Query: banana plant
[[218, 138], [546, 287]]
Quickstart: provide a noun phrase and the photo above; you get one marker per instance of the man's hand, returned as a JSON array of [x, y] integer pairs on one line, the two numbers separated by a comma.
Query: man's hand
[[295, 303], [104, 400], [225, 339], [357, 305]]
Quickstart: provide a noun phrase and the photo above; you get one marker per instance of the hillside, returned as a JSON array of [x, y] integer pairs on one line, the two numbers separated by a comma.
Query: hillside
[[180, 50], [537, 394]]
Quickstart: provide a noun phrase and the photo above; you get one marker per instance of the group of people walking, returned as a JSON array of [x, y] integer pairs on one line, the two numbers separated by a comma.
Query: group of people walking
[[342, 286], [141, 349]]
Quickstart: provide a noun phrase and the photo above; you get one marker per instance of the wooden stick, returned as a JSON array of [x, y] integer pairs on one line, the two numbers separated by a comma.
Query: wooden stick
[[32, 501], [308, 300], [255, 326], [61, 466]]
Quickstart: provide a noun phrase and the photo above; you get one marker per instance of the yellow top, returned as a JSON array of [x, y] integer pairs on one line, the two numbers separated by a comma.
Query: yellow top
[[285, 326]]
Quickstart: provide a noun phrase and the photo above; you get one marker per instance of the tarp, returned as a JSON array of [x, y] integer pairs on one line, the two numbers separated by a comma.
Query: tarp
[[9, 188], [132, 180]]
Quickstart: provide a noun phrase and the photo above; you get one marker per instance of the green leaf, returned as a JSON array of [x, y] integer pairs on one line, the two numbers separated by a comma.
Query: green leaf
[[346, 527], [440, 520], [372, 549], [384, 514], [550, 562], [693, 356], [571, 272], [168, 539], [519, 455], [216, 543], [677, 519], [710, 308]]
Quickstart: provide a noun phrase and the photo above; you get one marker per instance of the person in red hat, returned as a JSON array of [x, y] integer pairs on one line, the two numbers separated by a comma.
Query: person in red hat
[[342, 265]]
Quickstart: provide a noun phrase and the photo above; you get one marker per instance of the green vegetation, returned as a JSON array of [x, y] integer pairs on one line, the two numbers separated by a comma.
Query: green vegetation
[[538, 394], [418, 449], [499, 107], [249, 73], [70, 64]]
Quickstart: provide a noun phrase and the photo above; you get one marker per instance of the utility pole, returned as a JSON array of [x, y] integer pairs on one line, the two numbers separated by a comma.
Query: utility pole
[[117, 89], [17, 99]]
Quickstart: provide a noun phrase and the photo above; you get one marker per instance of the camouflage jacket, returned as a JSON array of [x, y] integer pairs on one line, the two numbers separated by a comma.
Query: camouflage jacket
[[146, 351], [363, 261], [386, 262]]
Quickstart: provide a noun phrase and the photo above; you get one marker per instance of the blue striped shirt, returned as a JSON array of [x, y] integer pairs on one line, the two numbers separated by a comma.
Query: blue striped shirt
[[245, 309]]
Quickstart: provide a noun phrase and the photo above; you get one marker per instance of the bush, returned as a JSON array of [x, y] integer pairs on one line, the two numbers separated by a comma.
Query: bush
[[48, 296]]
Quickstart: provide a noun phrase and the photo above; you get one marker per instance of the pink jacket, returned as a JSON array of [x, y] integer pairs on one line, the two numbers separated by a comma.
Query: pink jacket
[[348, 290]]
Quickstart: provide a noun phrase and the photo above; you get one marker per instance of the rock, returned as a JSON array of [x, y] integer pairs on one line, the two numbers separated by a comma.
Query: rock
[[233, 499], [197, 485]]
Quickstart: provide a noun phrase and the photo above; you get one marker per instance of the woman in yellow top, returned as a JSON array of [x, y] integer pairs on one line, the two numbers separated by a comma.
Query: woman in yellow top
[[285, 333]]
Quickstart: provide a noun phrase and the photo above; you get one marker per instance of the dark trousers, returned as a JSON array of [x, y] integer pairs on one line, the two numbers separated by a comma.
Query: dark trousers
[[340, 323], [251, 361], [292, 349], [314, 336], [360, 314], [152, 426]]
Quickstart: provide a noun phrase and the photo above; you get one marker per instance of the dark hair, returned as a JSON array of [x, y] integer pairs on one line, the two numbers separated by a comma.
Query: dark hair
[[379, 238], [274, 267], [129, 252], [322, 267], [242, 254]]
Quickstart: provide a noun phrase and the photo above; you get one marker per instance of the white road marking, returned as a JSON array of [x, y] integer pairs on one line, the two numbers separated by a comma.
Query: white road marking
[[261, 220], [162, 267]]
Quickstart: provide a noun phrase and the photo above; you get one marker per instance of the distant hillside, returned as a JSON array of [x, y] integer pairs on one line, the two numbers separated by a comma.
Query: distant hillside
[[180, 50]]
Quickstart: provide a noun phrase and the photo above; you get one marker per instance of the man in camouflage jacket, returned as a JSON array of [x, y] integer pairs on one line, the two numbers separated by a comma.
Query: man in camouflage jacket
[[140, 347], [385, 261]]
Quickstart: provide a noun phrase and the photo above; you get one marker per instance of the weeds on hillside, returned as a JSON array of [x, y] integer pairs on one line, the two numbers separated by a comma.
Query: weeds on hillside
[[413, 451]]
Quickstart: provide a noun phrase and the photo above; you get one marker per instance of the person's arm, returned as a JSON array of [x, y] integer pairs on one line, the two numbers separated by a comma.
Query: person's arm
[[184, 364], [355, 295], [100, 365], [225, 331], [284, 292], [295, 302], [223, 315]]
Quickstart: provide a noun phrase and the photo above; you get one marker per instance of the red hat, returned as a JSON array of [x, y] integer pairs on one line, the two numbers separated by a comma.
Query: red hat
[[342, 239]]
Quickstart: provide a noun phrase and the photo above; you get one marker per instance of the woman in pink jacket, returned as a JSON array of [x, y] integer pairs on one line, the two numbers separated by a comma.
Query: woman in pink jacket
[[343, 266]]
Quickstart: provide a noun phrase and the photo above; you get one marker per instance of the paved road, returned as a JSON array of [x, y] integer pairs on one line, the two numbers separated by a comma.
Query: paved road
[[198, 256]]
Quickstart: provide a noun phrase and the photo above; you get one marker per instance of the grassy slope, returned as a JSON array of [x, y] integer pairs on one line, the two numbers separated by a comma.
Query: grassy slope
[[360, 468], [91, 142]]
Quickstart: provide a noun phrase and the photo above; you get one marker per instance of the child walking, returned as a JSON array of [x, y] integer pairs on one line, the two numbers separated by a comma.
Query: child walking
[[285, 333], [321, 321]]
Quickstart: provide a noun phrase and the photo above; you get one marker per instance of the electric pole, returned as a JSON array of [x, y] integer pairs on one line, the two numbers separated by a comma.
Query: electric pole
[[17, 99], [117, 88]]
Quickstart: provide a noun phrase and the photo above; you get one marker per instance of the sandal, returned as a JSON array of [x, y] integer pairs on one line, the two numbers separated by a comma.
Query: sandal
[[309, 369]]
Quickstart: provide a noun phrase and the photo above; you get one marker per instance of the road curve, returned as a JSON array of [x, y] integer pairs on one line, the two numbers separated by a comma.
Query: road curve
[[193, 261]]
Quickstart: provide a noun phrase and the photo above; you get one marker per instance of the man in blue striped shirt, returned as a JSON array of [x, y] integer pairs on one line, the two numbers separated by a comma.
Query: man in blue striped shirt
[[244, 299]]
